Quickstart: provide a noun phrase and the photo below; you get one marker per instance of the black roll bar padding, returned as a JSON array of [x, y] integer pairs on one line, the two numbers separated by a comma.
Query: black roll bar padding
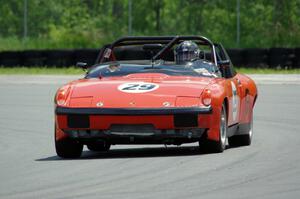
[[165, 39], [132, 43]]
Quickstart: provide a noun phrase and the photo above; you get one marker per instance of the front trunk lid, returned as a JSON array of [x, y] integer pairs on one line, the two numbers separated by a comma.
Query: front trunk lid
[[138, 90]]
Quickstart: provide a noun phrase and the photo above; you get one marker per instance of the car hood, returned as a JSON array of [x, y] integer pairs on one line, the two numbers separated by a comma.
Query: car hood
[[139, 90]]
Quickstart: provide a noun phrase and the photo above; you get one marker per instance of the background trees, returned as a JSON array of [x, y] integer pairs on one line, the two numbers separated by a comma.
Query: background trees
[[90, 23]]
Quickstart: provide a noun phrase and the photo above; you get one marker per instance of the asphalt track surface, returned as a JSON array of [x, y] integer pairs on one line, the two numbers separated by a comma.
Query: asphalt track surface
[[29, 167]]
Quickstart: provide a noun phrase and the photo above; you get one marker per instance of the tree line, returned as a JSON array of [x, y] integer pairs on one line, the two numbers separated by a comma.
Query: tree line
[[91, 23]]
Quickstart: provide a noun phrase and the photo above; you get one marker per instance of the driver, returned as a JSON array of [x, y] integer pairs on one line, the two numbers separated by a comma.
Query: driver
[[187, 53]]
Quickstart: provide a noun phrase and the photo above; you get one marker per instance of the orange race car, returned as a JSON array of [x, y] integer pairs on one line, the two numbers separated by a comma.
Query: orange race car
[[156, 90]]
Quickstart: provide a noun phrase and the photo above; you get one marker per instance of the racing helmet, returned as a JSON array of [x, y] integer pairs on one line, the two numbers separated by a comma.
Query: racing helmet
[[186, 51]]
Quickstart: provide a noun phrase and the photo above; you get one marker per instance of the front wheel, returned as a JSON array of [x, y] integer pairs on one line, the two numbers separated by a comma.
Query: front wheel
[[220, 145], [68, 148]]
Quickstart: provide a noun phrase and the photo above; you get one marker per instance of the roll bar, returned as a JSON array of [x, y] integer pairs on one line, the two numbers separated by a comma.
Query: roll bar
[[170, 41]]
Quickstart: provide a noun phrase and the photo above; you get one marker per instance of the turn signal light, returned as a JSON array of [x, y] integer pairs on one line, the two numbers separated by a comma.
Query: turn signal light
[[206, 97]]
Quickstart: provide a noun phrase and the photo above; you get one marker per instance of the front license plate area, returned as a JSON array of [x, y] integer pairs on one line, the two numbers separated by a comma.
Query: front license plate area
[[132, 129]]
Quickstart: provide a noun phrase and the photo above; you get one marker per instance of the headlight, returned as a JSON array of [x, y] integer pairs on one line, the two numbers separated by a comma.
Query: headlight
[[62, 95], [206, 97]]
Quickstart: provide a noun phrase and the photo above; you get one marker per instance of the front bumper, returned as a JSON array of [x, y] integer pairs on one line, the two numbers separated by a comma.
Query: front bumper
[[133, 111], [138, 137], [103, 118], [130, 125]]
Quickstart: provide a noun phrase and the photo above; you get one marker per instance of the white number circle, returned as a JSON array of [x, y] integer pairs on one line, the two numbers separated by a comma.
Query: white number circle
[[137, 87]]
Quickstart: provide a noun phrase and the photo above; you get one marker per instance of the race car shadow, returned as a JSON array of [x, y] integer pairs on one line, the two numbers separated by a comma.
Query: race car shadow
[[144, 152]]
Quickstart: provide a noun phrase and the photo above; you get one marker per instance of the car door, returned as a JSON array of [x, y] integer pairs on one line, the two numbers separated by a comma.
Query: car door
[[233, 86], [235, 100]]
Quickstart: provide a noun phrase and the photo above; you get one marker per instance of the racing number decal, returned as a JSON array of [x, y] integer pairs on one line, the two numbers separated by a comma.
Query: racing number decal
[[137, 87], [234, 102]]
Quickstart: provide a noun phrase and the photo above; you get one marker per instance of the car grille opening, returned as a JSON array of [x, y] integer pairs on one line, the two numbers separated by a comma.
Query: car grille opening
[[78, 121], [186, 120]]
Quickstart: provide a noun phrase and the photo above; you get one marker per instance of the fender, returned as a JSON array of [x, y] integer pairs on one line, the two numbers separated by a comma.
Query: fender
[[219, 96]]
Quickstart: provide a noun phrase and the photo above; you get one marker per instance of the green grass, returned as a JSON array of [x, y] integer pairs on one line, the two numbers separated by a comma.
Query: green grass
[[77, 71], [40, 71], [267, 71], [17, 44]]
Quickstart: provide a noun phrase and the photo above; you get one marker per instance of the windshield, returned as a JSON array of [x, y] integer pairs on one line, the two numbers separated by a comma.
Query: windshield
[[197, 68]]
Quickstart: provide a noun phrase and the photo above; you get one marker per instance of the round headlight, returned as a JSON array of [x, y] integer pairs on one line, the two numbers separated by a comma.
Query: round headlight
[[206, 97]]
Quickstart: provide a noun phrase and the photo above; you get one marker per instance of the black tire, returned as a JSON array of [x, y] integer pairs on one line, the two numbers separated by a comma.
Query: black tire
[[242, 140], [217, 146], [239, 140], [68, 148], [98, 146]]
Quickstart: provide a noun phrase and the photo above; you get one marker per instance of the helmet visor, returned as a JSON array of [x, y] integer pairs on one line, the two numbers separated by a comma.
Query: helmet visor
[[185, 56]]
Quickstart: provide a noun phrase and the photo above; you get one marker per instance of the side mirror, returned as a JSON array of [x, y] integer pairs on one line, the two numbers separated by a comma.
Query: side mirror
[[82, 65]]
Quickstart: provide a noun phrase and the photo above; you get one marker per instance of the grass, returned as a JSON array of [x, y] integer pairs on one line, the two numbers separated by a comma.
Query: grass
[[40, 71], [15, 44], [77, 71], [267, 71]]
